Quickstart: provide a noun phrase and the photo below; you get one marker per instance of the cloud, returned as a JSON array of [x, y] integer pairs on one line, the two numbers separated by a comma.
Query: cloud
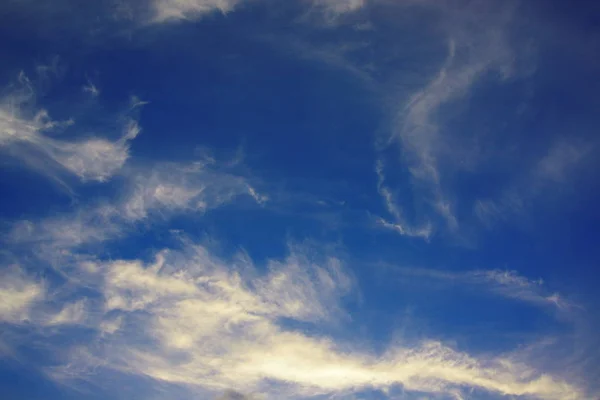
[[551, 170], [110, 326], [153, 193], [26, 136], [399, 225], [91, 89], [477, 45], [176, 10], [18, 294], [504, 283], [196, 186], [191, 318], [561, 158], [71, 314], [173, 10], [339, 6]]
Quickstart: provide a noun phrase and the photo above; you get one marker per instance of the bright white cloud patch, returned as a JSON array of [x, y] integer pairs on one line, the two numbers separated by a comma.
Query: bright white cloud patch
[[225, 317]]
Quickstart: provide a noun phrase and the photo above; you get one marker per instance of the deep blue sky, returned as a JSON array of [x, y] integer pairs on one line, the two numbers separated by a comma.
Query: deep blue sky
[[313, 199]]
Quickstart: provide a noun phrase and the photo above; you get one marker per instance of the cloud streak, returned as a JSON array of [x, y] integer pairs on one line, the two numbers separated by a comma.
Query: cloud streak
[[174, 10], [399, 225], [149, 194], [504, 283], [472, 52], [25, 135]]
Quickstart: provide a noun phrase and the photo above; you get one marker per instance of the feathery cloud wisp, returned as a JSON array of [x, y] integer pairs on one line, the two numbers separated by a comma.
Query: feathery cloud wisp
[[474, 50], [399, 225], [25, 136], [158, 192], [173, 10], [504, 283]]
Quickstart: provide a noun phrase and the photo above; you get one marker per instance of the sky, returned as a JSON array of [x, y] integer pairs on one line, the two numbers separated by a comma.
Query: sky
[[303, 199]]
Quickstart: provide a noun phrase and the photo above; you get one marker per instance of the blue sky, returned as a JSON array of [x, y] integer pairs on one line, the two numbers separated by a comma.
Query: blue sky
[[311, 199]]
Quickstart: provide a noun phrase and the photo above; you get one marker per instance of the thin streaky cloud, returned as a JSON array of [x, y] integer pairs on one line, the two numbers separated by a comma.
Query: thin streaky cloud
[[419, 124], [399, 225], [174, 10], [177, 10], [24, 135], [154, 193], [505, 283]]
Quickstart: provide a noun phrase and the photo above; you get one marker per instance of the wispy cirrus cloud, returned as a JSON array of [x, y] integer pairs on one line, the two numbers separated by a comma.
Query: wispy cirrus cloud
[[477, 45], [399, 224], [156, 192], [91, 88], [27, 134], [550, 171], [226, 318], [505, 283], [173, 10]]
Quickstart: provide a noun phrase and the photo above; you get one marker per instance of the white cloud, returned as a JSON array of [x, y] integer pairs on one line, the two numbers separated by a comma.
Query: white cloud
[[173, 10], [206, 323], [18, 294], [505, 283], [71, 314], [476, 46], [110, 326], [91, 89], [340, 6], [424, 231], [176, 10], [152, 193], [25, 135], [183, 187], [400, 224], [93, 159]]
